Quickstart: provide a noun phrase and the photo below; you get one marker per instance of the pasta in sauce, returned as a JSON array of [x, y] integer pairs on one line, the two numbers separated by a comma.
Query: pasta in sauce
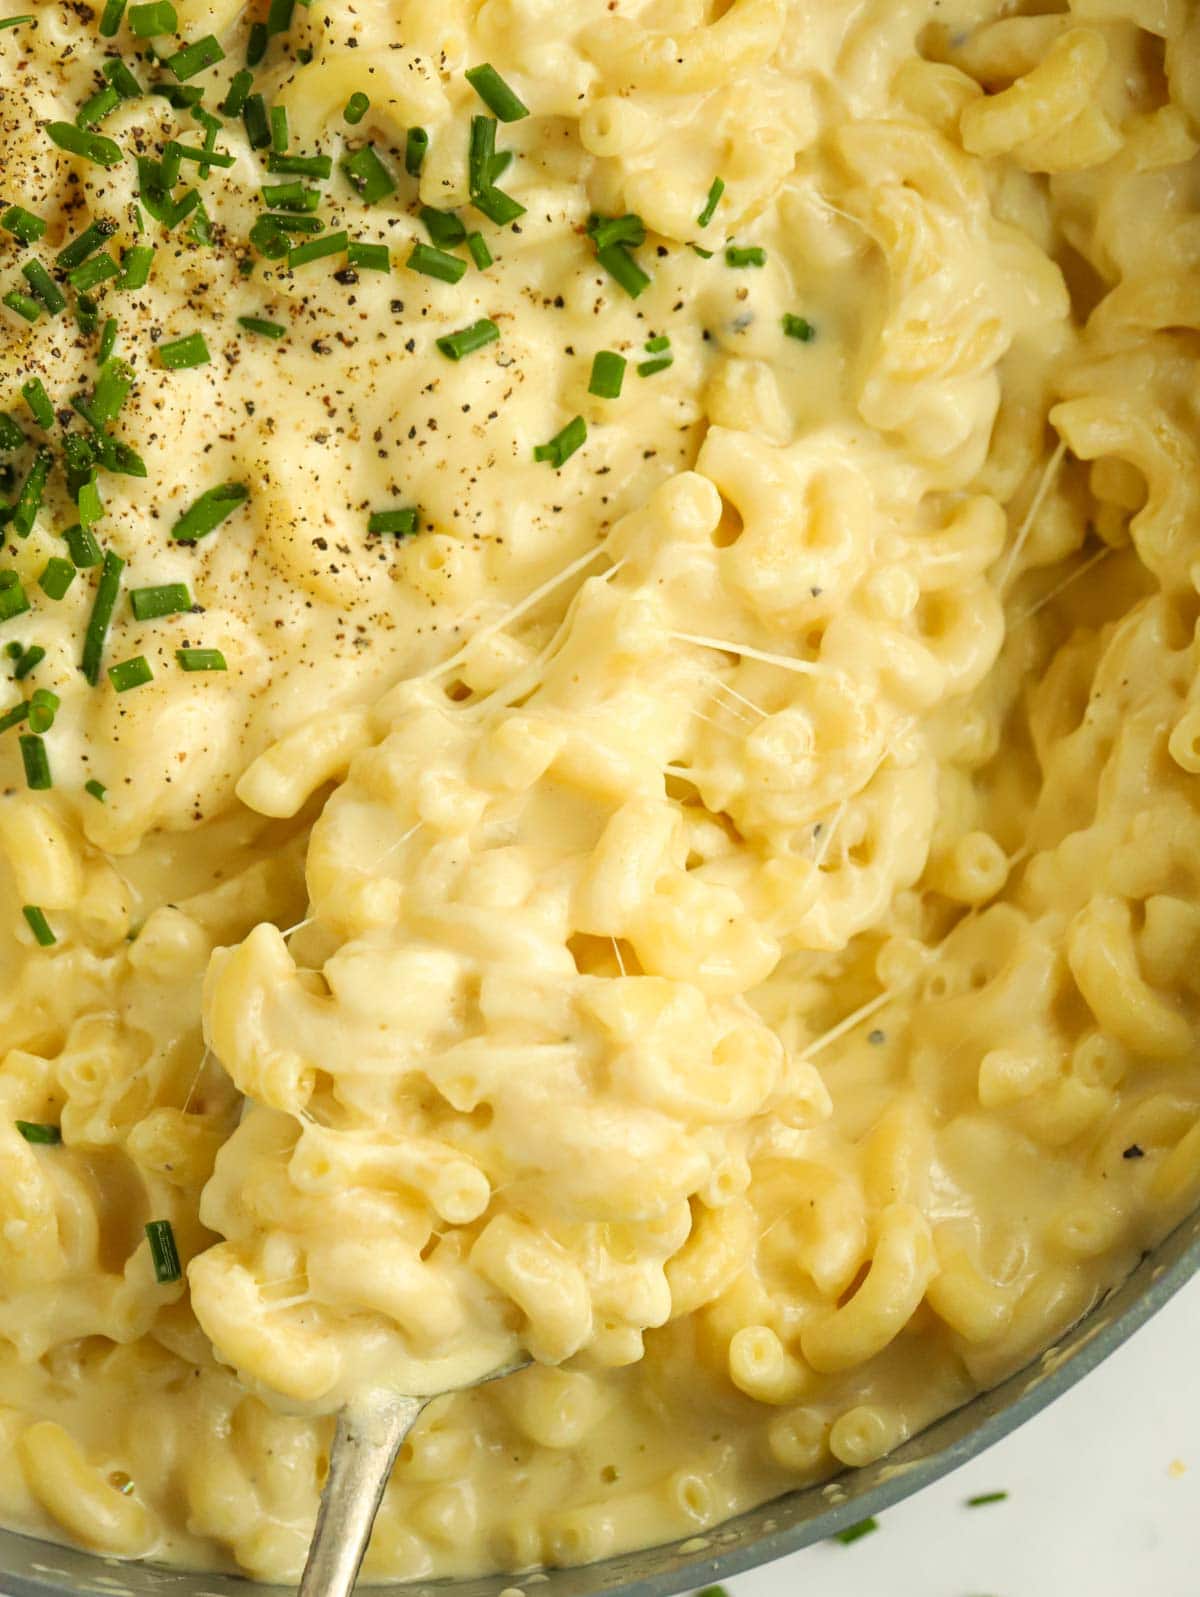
[[601, 748]]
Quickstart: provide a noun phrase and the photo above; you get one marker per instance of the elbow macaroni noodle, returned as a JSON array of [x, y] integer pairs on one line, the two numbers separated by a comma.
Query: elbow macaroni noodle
[[652, 920]]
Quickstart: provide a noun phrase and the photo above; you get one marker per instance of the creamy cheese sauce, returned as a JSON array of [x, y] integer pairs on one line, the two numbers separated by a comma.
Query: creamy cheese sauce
[[715, 913]]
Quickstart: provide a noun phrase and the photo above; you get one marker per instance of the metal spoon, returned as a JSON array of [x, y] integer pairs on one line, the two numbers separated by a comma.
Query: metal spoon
[[369, 1435]]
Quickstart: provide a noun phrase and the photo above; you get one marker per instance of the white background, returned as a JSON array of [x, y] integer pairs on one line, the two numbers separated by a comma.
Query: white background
[[1099, 1505]]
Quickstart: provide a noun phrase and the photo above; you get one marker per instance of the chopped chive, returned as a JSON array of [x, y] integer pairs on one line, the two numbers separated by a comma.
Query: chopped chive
[[28, 309], [15, 716], [163, 1252], [43, 707], [416, 147], [660, 363], [93, 111], [57, 576], [268, 239], [111, 392], [96, 789], [290, 196], [983, 1498], [22, 224], [170, 165], [403, 523], [621, 266], [480, 254], [194, 58], [14, 22], [135, 266], [29, 501], [656, 345], [94, 147], [256, 122], [564, 444], [745, 255], [108, 340], [32, 1130], [443, 227], [100, 620], [38, 400], [259, 324], [279, 128], [497, 206], [147, 21], [238, 92], [290, 222], [207, 513], [13, 601], [182, 353], [495, 93], [30, 659], [318, 166], [431, 262], [481, 152], [608, 374], [201, 659], [183, 96], [36, 762], [87, 315], [799, 327], [855, 1533], [256, 43], [94, 272], [205, 158], [501, 162], [169, 599], [605, 231], [357, 107], [128, 674], [368, 176], [468, 339], [711, 203], [121, 78], [279, 15], [371, 257], [82, 547], [317, 249], [110, 18]]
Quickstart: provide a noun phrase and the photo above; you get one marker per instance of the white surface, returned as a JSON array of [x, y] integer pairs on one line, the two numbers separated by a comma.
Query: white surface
[[1098, 1504]]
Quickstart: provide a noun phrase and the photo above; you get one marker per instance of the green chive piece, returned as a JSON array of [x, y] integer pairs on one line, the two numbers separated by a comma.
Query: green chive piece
[[205, 158], [100, 620], [705, 255], [182, 353], [57, 576], [443, 227], [110, 18], [468, 339], [290, 196], [258, 324], [201, 659], [357, 107], [194, 58], [15, 716], [605, 231], [713, 1591], [43, 706], [279, 15], [256, 43], [983, 1498], [318, 249], [121, 79], [11, 436], [279, 128], [94, 147], [401, 523], [22, 224], [288, 222], [239, 90], [608, 374], [163, 1252], [660, 363], [497, 206], [621, 266], [799, 327], [112, 390], [96, 789], [14, 22], [169, 599], [28, 309], [128, 674], [370, 257], [13, 601], [36, 762], [30, 659], [479, 252], [29, 501], [147, 21], [416, 147], [657, 344], [268, 238], [31, 1130], [711, 203], [564, 444], [318, 166], [93, 111], [82, 547], [38, 400], [481, 153], [135, 266], [431, 262], [94, 272], [495, 93], [207, 513], [256, 122], [745, 255], [855, 1533], [108, 340], [368, 176]]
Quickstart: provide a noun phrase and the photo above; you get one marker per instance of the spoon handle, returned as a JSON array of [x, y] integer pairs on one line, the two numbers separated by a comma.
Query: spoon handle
[[364, 1450]]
